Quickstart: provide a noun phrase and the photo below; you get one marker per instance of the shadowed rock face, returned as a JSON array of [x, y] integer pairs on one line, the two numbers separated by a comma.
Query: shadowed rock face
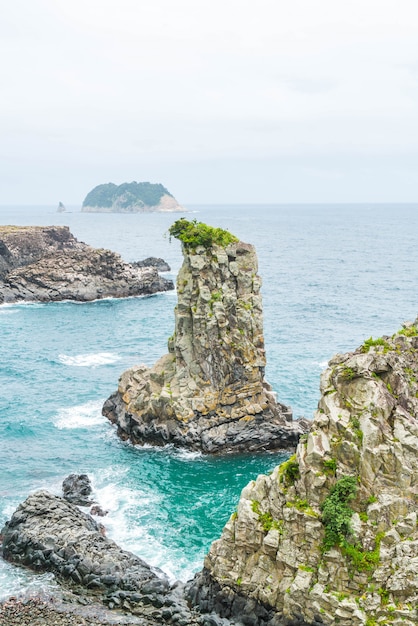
[[47, 263], [208, 393], [274, 554]]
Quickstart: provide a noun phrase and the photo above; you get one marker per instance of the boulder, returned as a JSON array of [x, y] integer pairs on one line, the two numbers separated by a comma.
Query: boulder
[[152, 261], [76, 488]]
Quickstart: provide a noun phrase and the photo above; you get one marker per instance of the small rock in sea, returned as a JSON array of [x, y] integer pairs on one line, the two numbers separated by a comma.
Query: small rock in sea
[[77, 489]]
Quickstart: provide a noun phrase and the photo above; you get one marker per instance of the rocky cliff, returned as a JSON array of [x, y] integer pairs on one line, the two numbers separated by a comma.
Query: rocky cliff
[[208, 393], [47, 263], [331, 536], [130, 198]]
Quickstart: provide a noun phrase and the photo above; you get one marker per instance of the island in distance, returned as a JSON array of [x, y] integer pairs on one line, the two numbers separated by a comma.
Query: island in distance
[[130, 198]]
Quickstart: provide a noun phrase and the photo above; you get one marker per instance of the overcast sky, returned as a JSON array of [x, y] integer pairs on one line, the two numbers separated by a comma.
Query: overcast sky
[[219, 100]]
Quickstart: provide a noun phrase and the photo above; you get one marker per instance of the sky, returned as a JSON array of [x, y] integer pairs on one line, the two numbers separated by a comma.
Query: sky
[[221, 101]]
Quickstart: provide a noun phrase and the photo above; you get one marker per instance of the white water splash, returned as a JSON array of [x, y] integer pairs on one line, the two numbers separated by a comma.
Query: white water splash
[[81, 416], [89, 360]]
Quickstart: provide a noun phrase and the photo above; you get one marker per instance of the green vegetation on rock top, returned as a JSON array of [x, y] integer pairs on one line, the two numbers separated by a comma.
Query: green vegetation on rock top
[[147, 194], [193, 234]]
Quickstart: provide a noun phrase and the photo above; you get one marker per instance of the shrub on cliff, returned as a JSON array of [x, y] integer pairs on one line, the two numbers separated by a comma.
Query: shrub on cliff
[[193, 234]]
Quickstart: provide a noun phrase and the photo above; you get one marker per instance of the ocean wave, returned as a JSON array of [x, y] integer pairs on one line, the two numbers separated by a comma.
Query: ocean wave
[[81, 416], [187, 455], [321, 364], [92, 359], [28, 583]]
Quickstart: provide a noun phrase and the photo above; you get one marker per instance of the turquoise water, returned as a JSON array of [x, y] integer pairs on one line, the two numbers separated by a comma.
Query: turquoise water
[[332, 276]]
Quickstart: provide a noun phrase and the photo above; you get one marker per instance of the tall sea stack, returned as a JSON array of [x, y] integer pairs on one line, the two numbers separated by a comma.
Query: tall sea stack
[[208, 393]]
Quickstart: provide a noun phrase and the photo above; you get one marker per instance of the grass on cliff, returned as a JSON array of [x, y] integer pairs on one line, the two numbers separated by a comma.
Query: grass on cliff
[[336, 512], [336, 517], [193, 234]]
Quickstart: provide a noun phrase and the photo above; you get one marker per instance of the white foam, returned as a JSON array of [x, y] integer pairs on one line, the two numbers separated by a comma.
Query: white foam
[[129, 523], [27, 583], [92, 359], [81, 416], [187, 455], [321, 364]]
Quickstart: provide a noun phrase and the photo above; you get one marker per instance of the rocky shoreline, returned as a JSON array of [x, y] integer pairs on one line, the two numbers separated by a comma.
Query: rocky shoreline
[[51, 611], [48, 264]]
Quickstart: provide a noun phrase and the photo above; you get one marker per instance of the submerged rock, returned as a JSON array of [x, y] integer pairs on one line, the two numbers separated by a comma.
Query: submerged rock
[[208, 393], [47, 263], [331, 536]]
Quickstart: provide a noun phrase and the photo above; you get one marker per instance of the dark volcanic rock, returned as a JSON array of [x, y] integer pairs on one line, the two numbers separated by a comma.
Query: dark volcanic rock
[[152, 261], [77, 489], [47, 533], [47, 263]]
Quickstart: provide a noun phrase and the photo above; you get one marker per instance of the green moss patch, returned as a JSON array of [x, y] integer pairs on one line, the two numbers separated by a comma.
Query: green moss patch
[[193, 234]]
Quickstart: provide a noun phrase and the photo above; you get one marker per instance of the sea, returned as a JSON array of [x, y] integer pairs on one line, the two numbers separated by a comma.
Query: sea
[[333, 275]]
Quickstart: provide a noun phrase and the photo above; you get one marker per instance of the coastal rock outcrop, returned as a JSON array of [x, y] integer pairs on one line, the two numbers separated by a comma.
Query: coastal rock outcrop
[[152, 261], [331, 536], [47, 263], [130, 198], [77, 489], [47, 533], [208, 393]]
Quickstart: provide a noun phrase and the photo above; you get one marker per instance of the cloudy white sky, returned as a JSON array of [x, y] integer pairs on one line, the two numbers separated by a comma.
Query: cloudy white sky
[[219, 100]]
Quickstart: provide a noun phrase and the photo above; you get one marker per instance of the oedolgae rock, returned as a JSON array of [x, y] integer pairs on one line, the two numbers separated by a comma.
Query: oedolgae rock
[[208, 393]]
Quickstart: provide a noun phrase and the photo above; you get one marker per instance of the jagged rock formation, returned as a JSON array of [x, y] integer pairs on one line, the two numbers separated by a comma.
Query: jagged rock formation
[[47, 263], [331, 536], [208, 393], [130, 198], [152, 261], [77, 489], [47, 533]]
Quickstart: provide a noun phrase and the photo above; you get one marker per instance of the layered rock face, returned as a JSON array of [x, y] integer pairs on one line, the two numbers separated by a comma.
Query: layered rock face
[[331, 536], [208, 393], [47, 263]]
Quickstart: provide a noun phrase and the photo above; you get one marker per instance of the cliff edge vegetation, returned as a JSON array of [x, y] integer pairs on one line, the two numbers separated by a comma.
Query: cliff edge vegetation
[[331, 536], [130, 198], [208, 393]]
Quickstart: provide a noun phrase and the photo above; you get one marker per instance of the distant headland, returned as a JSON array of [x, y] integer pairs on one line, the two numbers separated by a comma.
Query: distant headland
[[130, 198]]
